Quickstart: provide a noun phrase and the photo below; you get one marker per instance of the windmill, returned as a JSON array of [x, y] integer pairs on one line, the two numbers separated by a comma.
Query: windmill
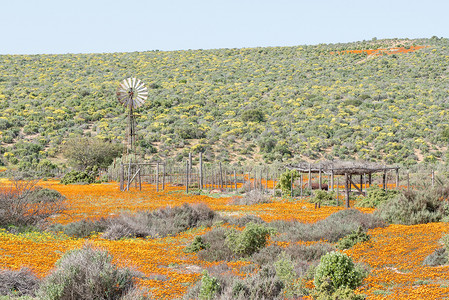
[[131, 93]]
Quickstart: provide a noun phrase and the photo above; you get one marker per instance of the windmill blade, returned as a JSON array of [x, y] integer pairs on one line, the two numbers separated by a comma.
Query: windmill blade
[[138, 83], [139, 101], [143, 88], [143, 94], [140, 86], [129, 82], [134, 83], [125, 84]]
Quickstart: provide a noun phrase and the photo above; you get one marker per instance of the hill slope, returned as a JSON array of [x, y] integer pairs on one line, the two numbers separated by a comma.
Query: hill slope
[[282, 103]]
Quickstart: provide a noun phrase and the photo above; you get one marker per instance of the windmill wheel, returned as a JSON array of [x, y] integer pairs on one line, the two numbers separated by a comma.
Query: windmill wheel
[[132, 93]]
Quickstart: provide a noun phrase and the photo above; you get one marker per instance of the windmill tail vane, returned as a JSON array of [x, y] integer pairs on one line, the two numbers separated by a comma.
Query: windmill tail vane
[[131, 93]]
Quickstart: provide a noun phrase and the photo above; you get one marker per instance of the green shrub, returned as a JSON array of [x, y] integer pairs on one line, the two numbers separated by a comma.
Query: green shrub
[[87, 273], [250, 240], [84, 152], [87, 176], [196, 245], [324, 197], [326, 292], [339, 269], [209, 286], [285, 181], [376, 196], [286, 273], [353, 238]]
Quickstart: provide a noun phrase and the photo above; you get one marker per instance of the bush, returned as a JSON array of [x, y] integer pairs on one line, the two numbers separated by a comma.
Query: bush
[[437, 258], [87, 176], [42, 195], [196, 245], [242, 221], [87, 273], [310, 253], [326, 292], [26, 204], [285, 181], [416, 207], [339, 270], [81, 229], [353, 238], [376, 196], [217, 248], [251, 198], [285, 272], [209, 286], [18, 283], [250, 240], [333, 228], [161, 222], [264, 284], [324, 197], [83, 152]]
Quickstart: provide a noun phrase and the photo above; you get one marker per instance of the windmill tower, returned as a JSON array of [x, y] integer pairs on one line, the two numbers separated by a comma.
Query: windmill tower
[[131, 93]]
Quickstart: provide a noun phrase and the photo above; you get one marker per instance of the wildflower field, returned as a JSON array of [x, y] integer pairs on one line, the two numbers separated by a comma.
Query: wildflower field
[[393, 255]]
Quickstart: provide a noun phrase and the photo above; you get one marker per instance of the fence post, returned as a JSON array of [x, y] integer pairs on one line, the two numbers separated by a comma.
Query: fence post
[[235, 181], [163, 177], [122, 176], [397, 178], [291, 184], [201, 170], [157, 177], [187, 177], [347, 183]]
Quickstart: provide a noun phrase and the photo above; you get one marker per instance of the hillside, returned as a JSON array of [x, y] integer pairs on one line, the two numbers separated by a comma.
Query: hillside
[[263, 104]]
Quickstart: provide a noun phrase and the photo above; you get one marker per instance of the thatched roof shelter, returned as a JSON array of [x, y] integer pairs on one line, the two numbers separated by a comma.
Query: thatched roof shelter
[[342, 167]]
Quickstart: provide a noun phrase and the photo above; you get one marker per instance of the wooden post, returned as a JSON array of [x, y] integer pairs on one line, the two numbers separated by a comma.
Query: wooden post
[[235, 181], [261, 176], [338, 191], [122, 177], [320, 180], [332, 180], [221, 176], [187, 176], [163, 177], [397, 178], [201, 171], [140, 181], [370, 179], [384, 180], [157, 177], [366, 189], [291, 184], [310, 178], [408, 181], [361, 183], [249, 181], [347, 183]]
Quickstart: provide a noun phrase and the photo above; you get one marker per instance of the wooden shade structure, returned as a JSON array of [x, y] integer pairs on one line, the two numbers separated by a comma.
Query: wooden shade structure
[[348, 169]]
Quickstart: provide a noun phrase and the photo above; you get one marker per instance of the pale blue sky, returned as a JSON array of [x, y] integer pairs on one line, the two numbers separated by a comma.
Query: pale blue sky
[[95, 26]]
